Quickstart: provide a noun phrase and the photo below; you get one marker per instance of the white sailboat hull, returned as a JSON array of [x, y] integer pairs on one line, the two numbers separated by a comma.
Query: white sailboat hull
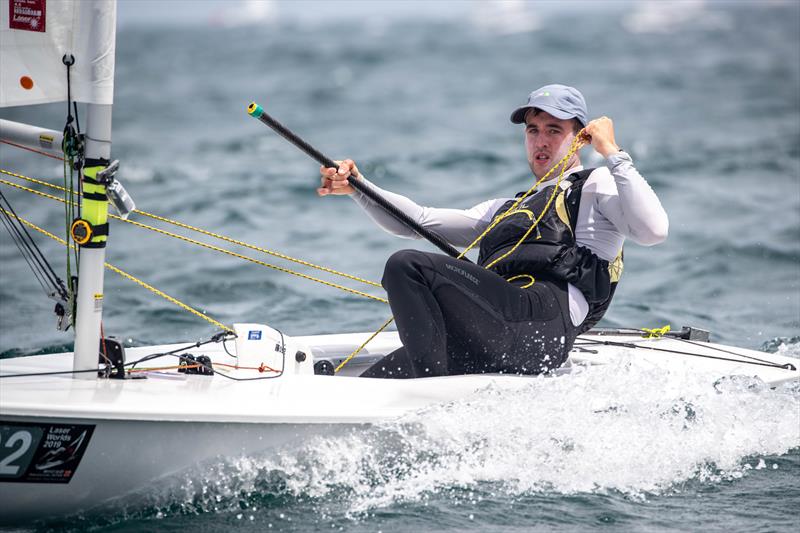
[[143, 430]]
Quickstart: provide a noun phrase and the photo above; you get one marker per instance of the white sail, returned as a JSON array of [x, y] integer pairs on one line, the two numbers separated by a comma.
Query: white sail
[[36, 34]]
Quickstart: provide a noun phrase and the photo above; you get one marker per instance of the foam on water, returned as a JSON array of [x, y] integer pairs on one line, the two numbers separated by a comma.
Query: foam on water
[[622, 429]]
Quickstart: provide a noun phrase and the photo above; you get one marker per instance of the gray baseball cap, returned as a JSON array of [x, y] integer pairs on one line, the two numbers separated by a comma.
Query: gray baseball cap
[[559, 100]]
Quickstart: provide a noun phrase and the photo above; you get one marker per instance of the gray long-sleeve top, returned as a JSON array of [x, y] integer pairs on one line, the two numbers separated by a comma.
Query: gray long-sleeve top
[[616, 203]]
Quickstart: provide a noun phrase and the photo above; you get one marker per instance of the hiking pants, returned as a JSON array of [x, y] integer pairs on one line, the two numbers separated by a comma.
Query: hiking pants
[[456, 317]]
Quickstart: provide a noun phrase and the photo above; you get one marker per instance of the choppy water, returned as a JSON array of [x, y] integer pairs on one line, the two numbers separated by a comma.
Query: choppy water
[[710, 111]]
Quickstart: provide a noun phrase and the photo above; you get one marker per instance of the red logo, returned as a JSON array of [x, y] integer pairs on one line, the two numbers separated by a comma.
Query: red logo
[[27, 15]]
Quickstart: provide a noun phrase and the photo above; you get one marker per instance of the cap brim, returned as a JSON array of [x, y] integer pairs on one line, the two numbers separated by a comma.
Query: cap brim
[[518, 116]]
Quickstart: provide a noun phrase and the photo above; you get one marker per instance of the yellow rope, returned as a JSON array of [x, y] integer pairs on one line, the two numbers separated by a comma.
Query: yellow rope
[[124, 274], [212, 234], [520, 276], [212, 247], [357, 350], [577, 143], [655, 332]]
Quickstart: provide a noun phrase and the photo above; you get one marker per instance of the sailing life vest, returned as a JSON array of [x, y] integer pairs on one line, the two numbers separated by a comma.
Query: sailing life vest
[[550, 252]]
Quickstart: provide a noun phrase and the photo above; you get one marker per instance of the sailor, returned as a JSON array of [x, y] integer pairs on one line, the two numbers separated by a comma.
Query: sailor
[[536, 286]]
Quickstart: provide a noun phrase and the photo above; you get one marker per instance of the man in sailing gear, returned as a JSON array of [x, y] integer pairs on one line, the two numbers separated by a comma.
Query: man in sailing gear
[[520, 308]]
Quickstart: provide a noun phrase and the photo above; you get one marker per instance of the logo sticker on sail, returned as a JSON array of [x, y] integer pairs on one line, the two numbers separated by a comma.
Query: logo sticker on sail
[[254, 335], [41, 453], [27, 15]]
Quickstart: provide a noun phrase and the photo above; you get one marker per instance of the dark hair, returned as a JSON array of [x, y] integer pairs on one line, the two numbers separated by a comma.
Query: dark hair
[[576, 124]]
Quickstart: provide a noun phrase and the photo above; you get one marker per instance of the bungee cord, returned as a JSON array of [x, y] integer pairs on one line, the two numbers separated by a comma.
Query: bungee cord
[[190, 362], [750, 360]]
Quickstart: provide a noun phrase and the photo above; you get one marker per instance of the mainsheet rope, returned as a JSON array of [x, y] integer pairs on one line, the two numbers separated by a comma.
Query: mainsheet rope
[[209, 233], [209, 246]]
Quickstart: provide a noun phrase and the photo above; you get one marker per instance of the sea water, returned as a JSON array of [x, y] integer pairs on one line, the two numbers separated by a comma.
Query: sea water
[[708, 105]]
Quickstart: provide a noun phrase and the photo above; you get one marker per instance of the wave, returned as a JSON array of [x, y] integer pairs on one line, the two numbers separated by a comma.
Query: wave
[[625, 431]]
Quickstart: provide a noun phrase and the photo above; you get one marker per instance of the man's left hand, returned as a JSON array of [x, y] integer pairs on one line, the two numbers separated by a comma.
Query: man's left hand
[[601, 134]]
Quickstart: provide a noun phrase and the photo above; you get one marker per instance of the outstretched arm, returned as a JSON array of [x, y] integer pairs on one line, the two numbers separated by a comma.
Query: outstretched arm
[[459, 227]]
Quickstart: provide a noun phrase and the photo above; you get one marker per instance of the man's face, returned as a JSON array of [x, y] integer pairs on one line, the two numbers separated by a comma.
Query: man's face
[[547, 140]]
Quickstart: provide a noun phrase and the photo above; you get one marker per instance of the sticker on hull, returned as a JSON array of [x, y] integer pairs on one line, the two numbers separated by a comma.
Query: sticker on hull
[[41, 453]]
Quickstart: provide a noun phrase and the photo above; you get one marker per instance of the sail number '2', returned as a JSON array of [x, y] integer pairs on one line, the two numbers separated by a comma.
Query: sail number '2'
[[41, 453]]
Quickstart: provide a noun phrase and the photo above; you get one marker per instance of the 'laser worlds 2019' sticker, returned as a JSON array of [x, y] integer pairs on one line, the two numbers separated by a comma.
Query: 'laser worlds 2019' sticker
[[41, 453]]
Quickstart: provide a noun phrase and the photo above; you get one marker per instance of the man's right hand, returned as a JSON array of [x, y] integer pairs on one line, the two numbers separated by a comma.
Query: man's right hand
[[335, 181]]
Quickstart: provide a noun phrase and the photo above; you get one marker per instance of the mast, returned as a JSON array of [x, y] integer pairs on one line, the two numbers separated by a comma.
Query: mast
[[66, 53], [89, 311]]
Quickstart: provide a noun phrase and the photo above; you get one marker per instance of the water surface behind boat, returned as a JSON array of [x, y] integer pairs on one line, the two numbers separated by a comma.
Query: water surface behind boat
[[710, 113]]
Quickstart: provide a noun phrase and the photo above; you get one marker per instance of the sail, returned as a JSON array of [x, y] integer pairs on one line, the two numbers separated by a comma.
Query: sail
[[36, 34]]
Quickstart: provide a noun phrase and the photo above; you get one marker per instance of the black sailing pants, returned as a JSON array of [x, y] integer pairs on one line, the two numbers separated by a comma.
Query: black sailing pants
[[455, 317]]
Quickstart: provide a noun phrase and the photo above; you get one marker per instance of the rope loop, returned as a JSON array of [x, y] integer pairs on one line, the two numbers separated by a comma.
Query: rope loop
[[655, 332]]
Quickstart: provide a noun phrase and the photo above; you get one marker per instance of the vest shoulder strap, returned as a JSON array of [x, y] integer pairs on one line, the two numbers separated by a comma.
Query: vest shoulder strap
[[573, 200]]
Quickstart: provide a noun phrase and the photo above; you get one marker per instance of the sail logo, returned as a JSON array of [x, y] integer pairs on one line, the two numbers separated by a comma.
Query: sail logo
[[27, 15]]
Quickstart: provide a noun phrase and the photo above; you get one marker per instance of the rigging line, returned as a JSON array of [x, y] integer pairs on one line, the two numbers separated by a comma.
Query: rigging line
[[149, 357], [592, 342], [259, 249], [256, 261], [36, 274], [631, 331], [216, 248], [217, 236], [723, 350], [194, 363], [23, 238], [214, 338], [130, 277], [14, 233], [357, 350], [27, 240], [31, 150]]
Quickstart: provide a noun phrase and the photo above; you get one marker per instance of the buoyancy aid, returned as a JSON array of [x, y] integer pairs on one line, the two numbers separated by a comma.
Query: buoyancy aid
[[551, 252]]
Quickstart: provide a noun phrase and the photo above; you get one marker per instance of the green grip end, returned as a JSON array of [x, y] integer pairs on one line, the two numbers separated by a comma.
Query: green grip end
[[255, 110]]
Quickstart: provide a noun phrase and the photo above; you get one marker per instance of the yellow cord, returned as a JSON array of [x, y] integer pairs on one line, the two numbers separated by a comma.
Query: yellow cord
[[124, 274], [204, 232], [357, 350], [655, 332], [210, 246], [577, 143], [520, 276]]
